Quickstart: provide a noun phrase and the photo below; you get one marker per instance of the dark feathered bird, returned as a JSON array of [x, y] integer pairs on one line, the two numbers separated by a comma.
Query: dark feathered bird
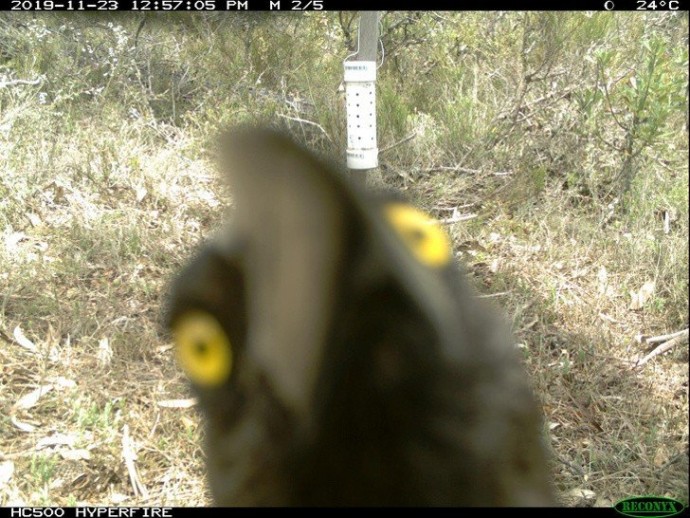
[[338, 354]]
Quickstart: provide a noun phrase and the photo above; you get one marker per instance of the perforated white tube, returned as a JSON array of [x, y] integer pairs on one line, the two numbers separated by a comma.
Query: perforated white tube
[[360, 99]]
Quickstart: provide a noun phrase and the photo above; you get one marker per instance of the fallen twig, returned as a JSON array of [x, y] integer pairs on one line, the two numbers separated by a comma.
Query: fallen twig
[[5, 84], [457, 218], [492, 295], [460, 169], [395, 144], [681, 336], [661, 338], [129, 455]]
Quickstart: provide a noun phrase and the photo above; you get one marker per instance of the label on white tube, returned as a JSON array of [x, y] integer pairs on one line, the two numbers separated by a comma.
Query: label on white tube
[[362, 158], [360, 71]]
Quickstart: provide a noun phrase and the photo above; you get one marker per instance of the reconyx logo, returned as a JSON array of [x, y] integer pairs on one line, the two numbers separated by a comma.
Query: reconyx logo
[[649, 506]]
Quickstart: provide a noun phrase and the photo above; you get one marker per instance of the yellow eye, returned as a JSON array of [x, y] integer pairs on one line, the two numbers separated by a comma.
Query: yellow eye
[[203, 349], [422, 234]]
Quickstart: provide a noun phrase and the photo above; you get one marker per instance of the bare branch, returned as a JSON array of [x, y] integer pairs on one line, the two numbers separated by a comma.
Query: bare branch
[[305, 121], [666, 346], [15, 82], [405, 139]]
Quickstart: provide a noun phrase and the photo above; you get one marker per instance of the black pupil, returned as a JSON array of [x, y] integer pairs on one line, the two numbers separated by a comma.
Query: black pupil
[[416, 234], [201, 348]]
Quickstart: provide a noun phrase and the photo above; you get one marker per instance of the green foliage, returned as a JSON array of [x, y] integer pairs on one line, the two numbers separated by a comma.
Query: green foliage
[[562, 94], [630, 112], [91, 416], [394, 110], [42, 468]]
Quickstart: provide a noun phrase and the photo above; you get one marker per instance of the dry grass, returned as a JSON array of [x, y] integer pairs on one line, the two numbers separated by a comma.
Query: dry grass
[[616, 430], [86, 259]]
